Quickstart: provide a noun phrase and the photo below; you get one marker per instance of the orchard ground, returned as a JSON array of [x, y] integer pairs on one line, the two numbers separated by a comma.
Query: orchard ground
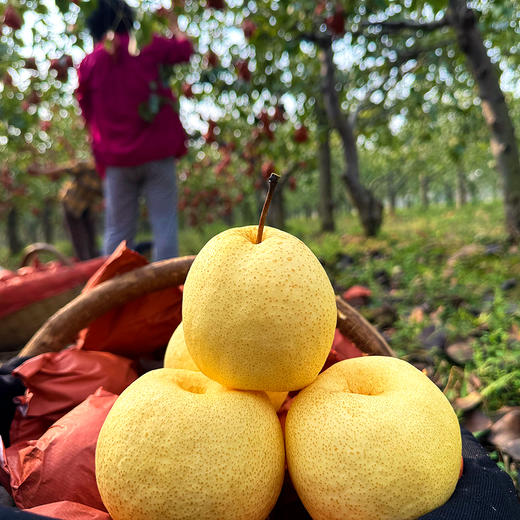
[[445, 293]]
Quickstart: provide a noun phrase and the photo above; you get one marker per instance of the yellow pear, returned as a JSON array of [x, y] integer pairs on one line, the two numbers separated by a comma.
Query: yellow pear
[[177, 356], [178, 445], [258, 316], [372, 439]]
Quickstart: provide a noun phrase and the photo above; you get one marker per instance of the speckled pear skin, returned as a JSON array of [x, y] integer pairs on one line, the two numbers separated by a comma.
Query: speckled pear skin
[[179, 446], [177, 356], [258, 316], [372, 439]]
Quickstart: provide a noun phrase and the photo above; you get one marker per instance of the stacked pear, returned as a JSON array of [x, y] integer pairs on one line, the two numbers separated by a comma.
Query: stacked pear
[[369, 438]]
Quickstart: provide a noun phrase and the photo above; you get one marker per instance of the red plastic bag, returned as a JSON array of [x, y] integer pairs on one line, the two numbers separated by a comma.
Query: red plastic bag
[[342, 348], [56, 382], [32, 284], [66, 510], [60, 465], [142, 325]]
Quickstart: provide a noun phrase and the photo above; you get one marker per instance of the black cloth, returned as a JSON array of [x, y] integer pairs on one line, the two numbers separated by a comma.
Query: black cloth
[[11, 513], [484, 492], [10, 387]]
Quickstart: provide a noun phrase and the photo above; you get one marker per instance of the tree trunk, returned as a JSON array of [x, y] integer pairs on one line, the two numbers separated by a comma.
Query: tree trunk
[[462, 192], [326, 207], [391, 193], [47, 222], [13, 232], [503, 141], [425, 187], [473, 192], [370, 210], [448, 194]]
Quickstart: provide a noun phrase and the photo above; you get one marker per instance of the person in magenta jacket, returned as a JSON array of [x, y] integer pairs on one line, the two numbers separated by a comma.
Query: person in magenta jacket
[[135, 154]]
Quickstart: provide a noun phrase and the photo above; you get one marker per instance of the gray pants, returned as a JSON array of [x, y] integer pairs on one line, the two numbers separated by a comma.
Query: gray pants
[[123, 186]]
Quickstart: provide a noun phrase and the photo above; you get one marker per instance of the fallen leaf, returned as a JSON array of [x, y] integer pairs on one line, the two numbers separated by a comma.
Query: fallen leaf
[[436, 315], [468, 402], [460, 353], [417, 315], [505, 434], [474, 381], [514, 333], [431, 337], [476, 421], [509, 284]]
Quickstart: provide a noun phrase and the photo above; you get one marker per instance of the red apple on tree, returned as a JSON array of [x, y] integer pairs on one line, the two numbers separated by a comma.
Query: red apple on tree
[[7, 79], [264, 117], [267, 169], [292, 183], [33, 98], [242, 67], [209, 136], [61, 68], [249, 27], [279, 114], [162, 12], [12, 18], [301, 134], [336, 22], [186, 91], [45, 126], [216, 4], [211, 59], [320, 8], [30, 63]]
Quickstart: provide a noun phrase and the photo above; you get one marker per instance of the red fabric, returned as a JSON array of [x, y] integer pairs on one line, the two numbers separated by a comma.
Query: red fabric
[[6, 274], [60, 465], [66, 510], [112, 86], [342, 348], [142, 325], [32, 284], [56, 382]]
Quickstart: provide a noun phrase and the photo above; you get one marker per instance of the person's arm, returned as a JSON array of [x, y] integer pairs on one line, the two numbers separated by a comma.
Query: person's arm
[[177, 49], [71, 168], [55, 172]]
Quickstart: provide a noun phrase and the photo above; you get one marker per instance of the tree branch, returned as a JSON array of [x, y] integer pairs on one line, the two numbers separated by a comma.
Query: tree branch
[[402, 59], [392, 26]]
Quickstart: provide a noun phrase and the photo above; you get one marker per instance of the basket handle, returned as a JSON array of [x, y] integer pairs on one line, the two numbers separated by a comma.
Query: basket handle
[[61, 329], [366, 337], [32, 250]]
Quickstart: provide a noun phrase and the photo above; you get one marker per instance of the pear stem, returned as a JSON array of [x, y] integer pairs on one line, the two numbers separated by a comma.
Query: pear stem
[[273, 181]]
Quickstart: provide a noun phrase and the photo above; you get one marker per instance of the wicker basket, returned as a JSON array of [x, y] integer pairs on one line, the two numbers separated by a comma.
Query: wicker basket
[[61, 329]]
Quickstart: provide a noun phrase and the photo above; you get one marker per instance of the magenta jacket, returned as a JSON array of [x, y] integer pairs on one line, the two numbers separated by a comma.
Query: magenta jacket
[[111, 89]]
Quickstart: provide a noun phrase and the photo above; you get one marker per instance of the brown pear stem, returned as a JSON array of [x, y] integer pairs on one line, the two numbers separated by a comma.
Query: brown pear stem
[[273, 181]]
